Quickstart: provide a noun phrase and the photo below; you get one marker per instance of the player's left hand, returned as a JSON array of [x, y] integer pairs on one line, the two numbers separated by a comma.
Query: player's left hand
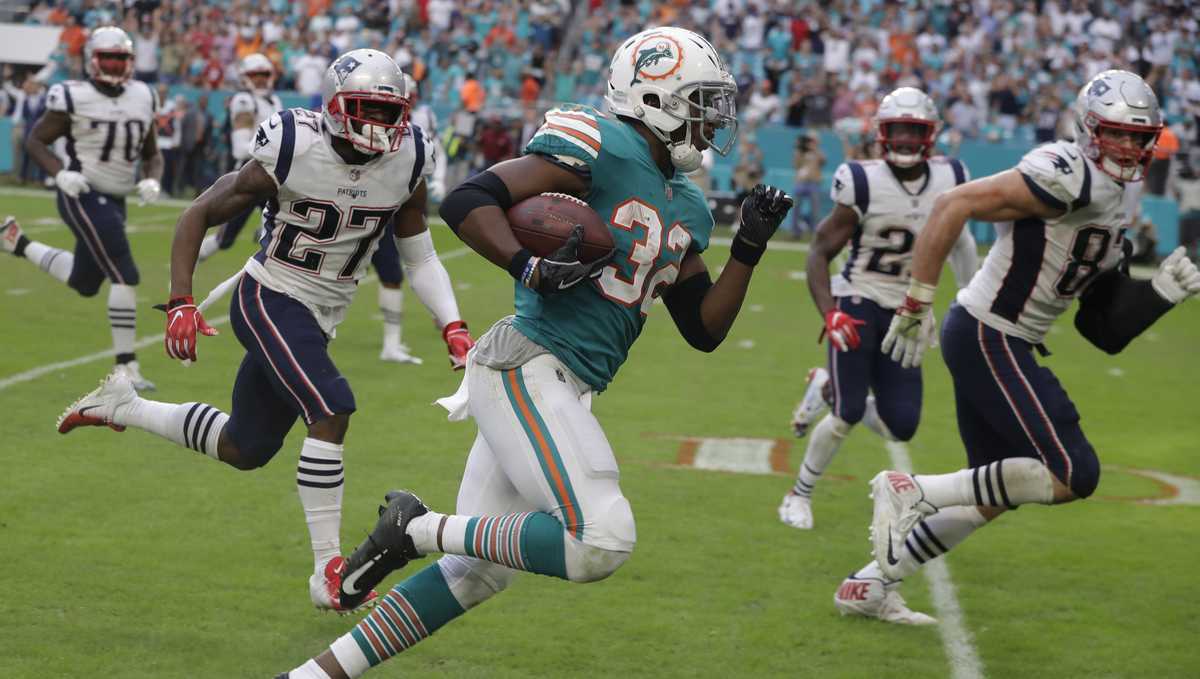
[[1177, 277], [761, 214], [458, 343], [912, 328], [184, 320], [148, 191]]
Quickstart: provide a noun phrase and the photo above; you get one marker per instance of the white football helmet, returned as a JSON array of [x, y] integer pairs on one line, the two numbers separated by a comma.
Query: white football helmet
[[1122, 102], [108, 56], [256, 65], [362, 79], [669, 78], [906, 105]]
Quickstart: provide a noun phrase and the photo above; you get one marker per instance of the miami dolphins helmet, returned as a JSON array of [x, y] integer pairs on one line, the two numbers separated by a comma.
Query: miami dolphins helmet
[[669, 78]]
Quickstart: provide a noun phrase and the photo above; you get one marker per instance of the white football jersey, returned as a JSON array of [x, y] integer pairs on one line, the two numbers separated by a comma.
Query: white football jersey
[[105, 138], [1038, 266], [889, 218], [248, 102], [326, 221]]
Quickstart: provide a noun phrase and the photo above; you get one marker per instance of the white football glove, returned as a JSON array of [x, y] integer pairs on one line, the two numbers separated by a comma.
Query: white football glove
[[1177, 277], [148, 191], [913, 328], [71, 183]]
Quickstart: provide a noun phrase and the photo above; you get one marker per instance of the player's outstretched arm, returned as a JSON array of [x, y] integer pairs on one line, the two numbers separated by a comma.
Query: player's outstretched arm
[[228, 197]]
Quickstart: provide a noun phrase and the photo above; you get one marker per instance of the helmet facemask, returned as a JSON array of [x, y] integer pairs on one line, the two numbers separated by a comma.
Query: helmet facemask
[[259, 82], [374, 122], [906, 150], [709, 107], [111, 67], [1120, 160]]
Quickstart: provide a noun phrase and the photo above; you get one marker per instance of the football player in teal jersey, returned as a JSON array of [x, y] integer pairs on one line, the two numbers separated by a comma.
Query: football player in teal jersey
[[541, 491]]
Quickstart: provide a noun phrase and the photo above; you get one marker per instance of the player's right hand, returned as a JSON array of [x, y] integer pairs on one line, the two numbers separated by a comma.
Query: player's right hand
[[562, 270], [761, 213], [184, 320], [842, 329], [911, 331], [71, 183], [1177, 277]]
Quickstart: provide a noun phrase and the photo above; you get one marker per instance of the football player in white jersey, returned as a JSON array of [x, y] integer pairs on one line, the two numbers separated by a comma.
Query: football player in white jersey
[[1066, 204], [108, 123], [334, 182], [248, 108], [879, 208]]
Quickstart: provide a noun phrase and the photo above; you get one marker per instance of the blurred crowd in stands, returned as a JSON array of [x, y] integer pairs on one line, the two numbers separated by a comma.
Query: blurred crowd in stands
[[1000, 69]]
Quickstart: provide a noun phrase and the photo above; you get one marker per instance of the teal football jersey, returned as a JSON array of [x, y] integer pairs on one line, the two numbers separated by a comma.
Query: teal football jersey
[[654, 222]]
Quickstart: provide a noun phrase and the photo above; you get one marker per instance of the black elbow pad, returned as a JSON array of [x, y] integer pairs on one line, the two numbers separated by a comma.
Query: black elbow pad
[[683, 301], [483, 189]]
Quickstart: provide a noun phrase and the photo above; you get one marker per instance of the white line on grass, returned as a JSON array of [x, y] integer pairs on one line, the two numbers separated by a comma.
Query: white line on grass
[[34, 373], [960, 649]]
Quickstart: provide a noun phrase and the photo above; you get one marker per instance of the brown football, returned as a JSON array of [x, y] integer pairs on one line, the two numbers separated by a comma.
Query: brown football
[[543, 223]]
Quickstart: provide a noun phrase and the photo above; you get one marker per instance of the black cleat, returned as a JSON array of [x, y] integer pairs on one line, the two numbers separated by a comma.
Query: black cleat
[[386, 549]]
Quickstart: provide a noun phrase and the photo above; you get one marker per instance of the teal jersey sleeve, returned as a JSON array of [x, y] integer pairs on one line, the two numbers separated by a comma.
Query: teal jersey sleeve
[[571, 137]]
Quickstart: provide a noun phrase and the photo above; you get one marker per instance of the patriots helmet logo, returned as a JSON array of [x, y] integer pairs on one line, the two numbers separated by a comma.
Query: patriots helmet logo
[[837, 184], [1098, 89], [656, 58], [345, 66]]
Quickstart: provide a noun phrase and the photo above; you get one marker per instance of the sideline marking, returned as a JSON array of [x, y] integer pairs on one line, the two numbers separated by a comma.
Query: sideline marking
[[956, 639]]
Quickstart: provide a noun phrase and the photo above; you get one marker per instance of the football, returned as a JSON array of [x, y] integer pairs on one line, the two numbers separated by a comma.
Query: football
[[542, 223]]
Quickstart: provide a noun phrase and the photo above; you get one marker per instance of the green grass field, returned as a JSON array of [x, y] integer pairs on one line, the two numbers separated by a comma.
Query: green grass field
[[129, 557]]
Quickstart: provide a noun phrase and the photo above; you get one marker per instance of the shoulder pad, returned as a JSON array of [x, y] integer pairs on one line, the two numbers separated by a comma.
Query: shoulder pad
[[850, 187], [571, 136], [1058, 174], [58, 98], [282, 137]]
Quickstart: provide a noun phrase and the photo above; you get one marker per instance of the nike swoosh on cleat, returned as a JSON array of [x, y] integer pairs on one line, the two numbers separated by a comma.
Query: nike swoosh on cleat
[[349, 582], [892, 560], [83, 411]]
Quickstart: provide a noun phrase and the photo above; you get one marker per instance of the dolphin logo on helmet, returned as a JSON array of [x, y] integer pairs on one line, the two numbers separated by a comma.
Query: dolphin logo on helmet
[[649, 59]]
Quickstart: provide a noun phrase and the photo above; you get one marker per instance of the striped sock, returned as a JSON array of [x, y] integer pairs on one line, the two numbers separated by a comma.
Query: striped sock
[[1005, 483], [320, 480], [938, 534], [57, 263], [122, 317], [526, 541], [192, 425], [413, 610], [825, 440]]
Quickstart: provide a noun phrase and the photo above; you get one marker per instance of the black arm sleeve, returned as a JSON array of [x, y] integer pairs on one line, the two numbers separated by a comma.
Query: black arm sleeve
[[483, 189], [683, 301], [1115, 308]]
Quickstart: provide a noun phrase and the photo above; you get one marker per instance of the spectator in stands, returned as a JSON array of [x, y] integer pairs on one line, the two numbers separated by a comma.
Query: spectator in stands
[[764, 105], [28, 107], [195, 133], [146, 52], [308, 69], [167, 122], [1187, 192], [1160, 166], [808, 160], [749, 168]]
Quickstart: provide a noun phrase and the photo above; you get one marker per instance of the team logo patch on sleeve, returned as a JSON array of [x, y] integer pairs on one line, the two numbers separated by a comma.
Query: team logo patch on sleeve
[[1060, 163], [260, 139]]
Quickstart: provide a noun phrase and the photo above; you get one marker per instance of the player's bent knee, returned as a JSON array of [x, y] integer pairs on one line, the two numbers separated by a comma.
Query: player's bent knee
[[473, 581], [850, 413], [249, 454], [332, 429], [903, 428], [608, 541], [86, 290], [587, 563], [1085, 472]]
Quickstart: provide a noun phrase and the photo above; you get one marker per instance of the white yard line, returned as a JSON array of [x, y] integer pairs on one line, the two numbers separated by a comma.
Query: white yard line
[[956, 638], [39, 371]]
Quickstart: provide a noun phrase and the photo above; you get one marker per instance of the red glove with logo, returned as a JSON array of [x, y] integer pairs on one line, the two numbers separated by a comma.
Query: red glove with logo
[[183, 322], [458, 342], [842, 329]]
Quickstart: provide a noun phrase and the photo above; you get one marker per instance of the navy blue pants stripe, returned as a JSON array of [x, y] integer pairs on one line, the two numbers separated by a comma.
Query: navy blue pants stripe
[[898, 390], [102, 251], [386, 261], [1009, 406]]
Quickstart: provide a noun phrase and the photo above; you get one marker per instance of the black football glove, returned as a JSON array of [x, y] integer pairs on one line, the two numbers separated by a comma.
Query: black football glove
[[562, 269], [759, 217]]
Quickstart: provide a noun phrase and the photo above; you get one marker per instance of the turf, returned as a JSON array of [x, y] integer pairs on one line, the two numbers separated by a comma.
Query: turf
[[129, 557]]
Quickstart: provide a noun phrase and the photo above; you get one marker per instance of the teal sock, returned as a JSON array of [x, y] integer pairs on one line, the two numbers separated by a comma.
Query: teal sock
[[413, 610]]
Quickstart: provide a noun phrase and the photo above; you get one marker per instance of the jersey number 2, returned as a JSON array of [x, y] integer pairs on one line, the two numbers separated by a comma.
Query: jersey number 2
[[901, 241], [330, 221]]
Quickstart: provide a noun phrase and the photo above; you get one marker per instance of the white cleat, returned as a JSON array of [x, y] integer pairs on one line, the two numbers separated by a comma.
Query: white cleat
[[133, 372], [96, 409], [871, 598], [10, 234], [324, 587], [899, 505], [813, 404], [796, 511], [398, 353]]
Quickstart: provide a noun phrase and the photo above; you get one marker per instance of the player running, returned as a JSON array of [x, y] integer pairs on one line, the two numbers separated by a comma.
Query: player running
[[541, 490], [879, 208], [108, 123], [248, 108], [1067, 203], [334, 182]]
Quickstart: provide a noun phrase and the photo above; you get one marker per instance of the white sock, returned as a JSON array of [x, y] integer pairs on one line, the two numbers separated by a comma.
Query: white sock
[[823, 443], [1005, 483], [122, 317], [936, 535], [425, 528], [391, 303], [310, 670], [57, 263], [320, 481], [350, 656], [874, 423], [209, 246], [193, 425]]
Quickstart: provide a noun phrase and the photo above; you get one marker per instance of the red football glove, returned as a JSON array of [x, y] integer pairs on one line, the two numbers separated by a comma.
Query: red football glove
[[842, 329], [458, 342], [183, 322]]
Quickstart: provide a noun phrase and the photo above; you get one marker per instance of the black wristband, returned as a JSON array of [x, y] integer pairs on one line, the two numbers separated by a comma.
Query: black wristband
[[516, 265], [744, 252]]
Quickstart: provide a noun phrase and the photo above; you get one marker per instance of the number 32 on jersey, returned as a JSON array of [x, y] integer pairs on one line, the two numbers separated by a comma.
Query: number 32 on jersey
[[653, 270]]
